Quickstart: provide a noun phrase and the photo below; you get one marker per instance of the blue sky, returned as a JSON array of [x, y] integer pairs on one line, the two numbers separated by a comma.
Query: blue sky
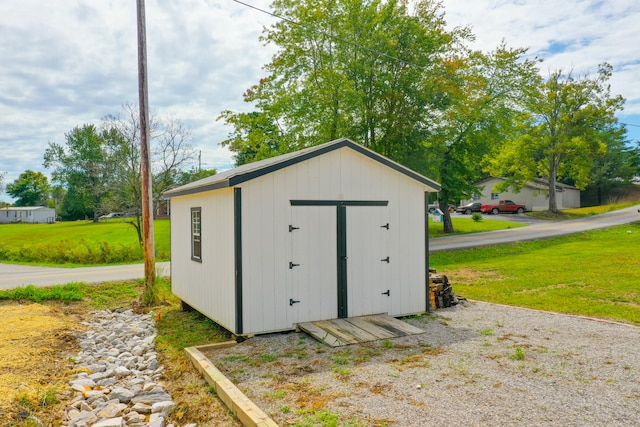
[[66, 63]]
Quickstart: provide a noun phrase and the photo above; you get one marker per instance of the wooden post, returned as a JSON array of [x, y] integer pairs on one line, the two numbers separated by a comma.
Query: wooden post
[[149, 297]]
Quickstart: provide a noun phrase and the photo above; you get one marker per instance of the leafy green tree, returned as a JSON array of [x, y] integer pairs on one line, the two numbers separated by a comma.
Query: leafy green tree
[[394, 80], [30, 189], [483, 107], [186, 177], [614, 168], [571, 120], [366, 69], [84, 165], [255, 136]]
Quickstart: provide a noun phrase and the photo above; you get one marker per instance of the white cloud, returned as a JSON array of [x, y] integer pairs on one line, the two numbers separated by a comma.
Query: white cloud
[[66, 63]]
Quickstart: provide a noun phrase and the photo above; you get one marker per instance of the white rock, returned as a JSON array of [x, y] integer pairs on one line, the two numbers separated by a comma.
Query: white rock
[[163, 407], [110, 422]]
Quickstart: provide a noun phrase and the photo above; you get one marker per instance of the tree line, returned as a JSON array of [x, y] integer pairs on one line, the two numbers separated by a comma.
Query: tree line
[[398, 81], [96, 169]]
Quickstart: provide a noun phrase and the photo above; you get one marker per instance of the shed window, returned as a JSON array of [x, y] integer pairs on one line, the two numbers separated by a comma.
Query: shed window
[[196, 242], [495, 196]]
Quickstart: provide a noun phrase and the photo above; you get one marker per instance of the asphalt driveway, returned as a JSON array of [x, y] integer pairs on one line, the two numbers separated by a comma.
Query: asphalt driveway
[[538, 229]]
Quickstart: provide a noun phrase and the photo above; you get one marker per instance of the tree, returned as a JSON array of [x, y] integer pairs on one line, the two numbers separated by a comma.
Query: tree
[[483, 106], [2, 175], [394, 80], [170, 153], [85, 167], [30, 189], [366, 69], [570, 121], [255, 136], [613, 168], [194, 175]]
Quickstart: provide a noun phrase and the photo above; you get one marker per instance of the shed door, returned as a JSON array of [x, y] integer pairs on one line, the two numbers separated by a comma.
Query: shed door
[[312, 271], [369, 264]]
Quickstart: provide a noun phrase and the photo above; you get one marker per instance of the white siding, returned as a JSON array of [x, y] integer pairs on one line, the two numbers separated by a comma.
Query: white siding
[[343, 174], [208, 286], [367, 275]]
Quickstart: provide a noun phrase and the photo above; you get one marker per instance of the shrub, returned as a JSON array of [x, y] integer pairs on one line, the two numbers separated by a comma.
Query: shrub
[[476, 216]]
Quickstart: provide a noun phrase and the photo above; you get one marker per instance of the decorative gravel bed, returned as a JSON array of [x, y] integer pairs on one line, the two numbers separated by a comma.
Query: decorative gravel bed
[[477, 364]]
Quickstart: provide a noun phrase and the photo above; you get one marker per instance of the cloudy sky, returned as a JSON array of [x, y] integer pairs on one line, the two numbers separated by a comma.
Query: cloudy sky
[[70, 62]]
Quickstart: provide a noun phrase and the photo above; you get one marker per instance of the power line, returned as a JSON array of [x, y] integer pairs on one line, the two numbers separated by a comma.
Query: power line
[[630, 124]]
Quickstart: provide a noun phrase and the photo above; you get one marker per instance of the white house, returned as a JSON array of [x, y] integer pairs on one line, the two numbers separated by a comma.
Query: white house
[[30, 214], [534, 195], [328, 232]]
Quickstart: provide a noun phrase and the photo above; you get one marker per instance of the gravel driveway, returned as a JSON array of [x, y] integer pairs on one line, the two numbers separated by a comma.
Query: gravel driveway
[[475, 365]]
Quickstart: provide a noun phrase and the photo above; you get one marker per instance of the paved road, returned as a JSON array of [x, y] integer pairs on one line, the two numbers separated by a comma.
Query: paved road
[[13, 276], [539, 230]]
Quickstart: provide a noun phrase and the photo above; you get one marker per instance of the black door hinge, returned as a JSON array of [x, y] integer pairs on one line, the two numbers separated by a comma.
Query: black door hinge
[[385, 260], [292, 301], [291, 265], [388, 293], [385, 226], [291, 228]]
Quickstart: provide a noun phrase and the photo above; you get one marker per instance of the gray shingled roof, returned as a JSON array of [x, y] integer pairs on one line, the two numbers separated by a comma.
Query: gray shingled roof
[[235, 176]]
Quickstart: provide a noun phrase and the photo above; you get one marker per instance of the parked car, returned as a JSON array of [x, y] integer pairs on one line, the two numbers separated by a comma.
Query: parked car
[[504, 206], [112, 215], [469, 208]]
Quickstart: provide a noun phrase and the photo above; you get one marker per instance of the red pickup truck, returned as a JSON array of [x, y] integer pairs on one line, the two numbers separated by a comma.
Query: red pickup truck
[[502, 207]]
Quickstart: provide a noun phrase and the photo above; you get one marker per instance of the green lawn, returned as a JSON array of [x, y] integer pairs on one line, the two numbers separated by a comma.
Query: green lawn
[[594, 273], [463, 224], [78, 243]]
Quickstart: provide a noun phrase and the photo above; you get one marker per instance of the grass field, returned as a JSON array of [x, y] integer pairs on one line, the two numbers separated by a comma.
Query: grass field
[[593, 274], [78, 243]]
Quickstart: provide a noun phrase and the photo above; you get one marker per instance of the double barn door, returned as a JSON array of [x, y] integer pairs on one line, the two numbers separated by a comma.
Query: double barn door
[[340, 264]]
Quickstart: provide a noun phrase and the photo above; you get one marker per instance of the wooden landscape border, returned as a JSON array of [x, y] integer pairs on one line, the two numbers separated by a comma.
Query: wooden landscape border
[[249, 414]]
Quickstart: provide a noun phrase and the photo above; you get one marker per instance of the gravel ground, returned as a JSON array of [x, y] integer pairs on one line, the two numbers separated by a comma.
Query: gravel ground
[[476, 365]]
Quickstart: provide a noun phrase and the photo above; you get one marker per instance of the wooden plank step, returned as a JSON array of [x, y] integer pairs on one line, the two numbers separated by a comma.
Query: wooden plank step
[[393, 325], [380, 333], [358, 333], [328, 325], [320, 334]]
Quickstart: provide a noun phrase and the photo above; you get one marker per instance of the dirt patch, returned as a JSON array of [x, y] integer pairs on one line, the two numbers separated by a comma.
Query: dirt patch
[[36, 342], [468, 276]]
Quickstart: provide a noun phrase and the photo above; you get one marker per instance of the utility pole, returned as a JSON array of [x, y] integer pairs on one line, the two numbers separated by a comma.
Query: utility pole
[[149, 296]]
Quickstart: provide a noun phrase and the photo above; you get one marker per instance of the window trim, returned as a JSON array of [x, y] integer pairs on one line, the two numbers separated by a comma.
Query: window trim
[[194, 256]]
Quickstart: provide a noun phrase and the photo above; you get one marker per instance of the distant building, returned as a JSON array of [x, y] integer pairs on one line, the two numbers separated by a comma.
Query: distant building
[[29, 214], [534, 195]]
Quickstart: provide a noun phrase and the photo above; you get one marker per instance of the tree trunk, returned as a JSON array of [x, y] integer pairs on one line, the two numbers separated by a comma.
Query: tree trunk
[[444, 207], [553, 205]]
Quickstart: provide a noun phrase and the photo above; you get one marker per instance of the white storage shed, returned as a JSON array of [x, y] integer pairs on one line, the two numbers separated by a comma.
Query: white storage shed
[[30, 214], [328, 232]]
